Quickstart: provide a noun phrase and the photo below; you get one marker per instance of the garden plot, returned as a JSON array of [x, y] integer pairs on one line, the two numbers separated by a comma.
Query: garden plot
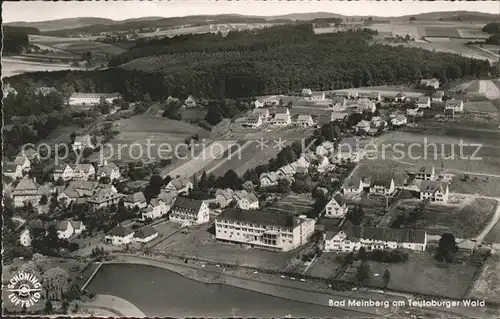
[[487, 286]]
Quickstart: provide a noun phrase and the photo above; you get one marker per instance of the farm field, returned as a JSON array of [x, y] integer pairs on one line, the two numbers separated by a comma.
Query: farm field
[[487, 286], [14, 65], [462, 222], [136, 132], [480, 106], [251, 157], [200, 243], [79, 47], [381, 169], [386, 91], [441, 32], [212, 152], [422, 274]]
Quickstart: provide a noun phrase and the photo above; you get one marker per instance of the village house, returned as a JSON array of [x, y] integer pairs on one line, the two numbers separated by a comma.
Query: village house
[[181, 185], [258, 104], [263, 113], [120, 235], [29, 153], [307, 92], [24, 162], [263, 229], [82, 142], [268, 179], [305, 120], [109, 170], [224, 197], [271, 101], [92, 98], [377, 122], [286, 171], [68, 228], [12, 170], [318, 96], [282, 117], [438, 96], [399, 120], [135, 200], [339, 104], [434, 191], [424, 102], [382, 187], [365, 105], [352, 186], [449, 114], [415, 112], [363, 126], [45, 90], [190, 101], [426, 172], [350, 238], [155, 209], [322, 163], [145, 235], [246, 200], [83, 172], [26, 191], [67, 195], [253, 121], [455, 105], [325, 148], [168, 198], [338, 116], [374, 96], [346, 94], [64, 172], [400, 97], [434, 83], [104, 197], [336, 207], [25, 237], [189, 211]]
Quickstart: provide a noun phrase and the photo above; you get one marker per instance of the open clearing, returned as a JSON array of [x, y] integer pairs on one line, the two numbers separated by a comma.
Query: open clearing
[[462, 222], [79, 47], [325, 266], [13, 65], [199, 242], [489, 89], [494, 234], [480, 106], [422, 274], [487, 286]]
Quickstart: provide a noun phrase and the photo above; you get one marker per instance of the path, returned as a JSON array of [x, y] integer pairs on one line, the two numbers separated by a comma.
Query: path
[[117, 305]]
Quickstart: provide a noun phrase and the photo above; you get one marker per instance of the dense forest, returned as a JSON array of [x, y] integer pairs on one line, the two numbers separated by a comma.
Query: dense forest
[[493, 29], [15, 39], [274, 60]]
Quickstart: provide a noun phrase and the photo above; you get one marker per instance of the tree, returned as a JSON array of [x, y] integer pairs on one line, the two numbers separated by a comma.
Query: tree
[[43, 200], [412, 19], [447, 248], [55, 283], [362, 253], [49, 309], [147, 98], [363, 272], [386, 277]]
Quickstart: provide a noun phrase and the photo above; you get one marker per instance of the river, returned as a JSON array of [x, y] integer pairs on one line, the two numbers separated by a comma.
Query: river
[[159, 292]]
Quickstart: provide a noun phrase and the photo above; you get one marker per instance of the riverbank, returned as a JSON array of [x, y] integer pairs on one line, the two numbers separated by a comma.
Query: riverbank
[[306, 292]]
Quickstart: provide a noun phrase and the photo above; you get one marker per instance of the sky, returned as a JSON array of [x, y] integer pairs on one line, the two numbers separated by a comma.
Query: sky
[[121, 10]]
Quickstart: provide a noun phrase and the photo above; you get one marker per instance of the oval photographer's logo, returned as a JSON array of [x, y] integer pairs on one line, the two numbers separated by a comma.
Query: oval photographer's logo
[[24, 289]]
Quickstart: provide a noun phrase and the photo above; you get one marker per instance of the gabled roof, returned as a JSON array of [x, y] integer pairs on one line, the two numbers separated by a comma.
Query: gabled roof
[[352, 183], [454, 102], [425, 169], [400, 118], [135, 197], [76, 224], [61, 167], [187, 204], [438, 94], [180, 182], [304, 118], [281, 116], [363, 123], [121, 231], [253, 118], [145, 232], [167, 197], [226, 193], [26, 184], [108, 169], [339, 199], [432, 187], [271, 175], [281, 110], [423, 99], [260, 217], [382, 182], [261, 111], [63, 225], [383, 234]]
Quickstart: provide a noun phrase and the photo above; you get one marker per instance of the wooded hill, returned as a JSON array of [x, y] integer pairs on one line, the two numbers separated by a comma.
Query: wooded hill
[[274, 60]]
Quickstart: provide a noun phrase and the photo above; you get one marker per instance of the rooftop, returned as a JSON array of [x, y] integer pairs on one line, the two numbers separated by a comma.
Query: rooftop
[[187, 203], [260, 217], [145, 232]]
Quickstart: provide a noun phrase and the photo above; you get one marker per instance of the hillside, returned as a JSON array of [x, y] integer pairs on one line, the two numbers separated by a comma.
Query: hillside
[[61, 24], [275, 60], [452, 16]]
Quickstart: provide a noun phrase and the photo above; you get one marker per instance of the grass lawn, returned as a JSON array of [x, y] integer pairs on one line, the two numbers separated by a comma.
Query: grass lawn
[[422, 274], [487, 286], [494, 234], [200, 243], [480, 106], [463, 222], [383, 168], [483, 185], [325, 267]]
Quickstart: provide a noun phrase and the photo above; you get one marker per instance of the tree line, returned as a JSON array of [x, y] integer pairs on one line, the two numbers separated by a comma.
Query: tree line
[[16, 40]]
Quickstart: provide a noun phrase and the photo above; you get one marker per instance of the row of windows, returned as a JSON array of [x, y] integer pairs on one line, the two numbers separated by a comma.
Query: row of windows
[[223, 222], [266, 241], [251, 230]]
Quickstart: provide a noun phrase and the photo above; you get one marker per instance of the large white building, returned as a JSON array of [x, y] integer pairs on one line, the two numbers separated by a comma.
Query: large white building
[[92, 98], [263, 229], [189, 211], [455, 105], [350, 238], [424, 102], [434, 191], [336, 207], [27, 191]]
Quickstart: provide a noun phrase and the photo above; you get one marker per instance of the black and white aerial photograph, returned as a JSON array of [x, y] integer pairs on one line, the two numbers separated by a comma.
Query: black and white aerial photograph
[[251, 159]]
